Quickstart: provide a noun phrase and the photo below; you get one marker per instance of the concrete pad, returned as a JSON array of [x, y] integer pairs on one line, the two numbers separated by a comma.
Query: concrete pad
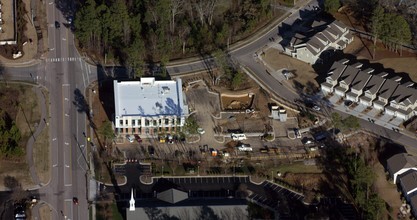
[[396, 121], [373, 113], [386, 117], [360, 108], [334, 99]]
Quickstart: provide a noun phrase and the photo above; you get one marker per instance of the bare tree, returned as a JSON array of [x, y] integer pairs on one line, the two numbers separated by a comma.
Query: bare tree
[[176, 9], [211, 5], [182, 34], [201, 6]]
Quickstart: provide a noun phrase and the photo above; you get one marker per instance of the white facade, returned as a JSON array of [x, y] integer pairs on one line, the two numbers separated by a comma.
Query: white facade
[[149, 106]]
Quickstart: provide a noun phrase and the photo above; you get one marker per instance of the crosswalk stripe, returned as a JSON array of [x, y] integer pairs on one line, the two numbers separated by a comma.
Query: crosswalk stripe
[[63, 59]]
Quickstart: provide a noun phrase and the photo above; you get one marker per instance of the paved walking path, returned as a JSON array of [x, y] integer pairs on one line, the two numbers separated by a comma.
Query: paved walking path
[[32, 139]]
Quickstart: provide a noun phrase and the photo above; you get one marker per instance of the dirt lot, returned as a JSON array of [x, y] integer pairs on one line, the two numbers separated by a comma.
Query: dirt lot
[[303, 72], [363, 49]]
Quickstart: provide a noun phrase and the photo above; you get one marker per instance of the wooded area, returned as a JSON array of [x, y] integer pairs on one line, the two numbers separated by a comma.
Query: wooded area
[[136, 31], [388, 21]]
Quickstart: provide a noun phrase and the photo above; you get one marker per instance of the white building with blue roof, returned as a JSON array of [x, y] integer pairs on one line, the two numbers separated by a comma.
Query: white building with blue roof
[[149, 106]]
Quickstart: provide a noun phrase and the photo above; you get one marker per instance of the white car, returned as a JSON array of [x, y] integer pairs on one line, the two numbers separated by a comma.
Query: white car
[[201, 130], [130, 138], [245, 147], [316, 108], [238, 137]]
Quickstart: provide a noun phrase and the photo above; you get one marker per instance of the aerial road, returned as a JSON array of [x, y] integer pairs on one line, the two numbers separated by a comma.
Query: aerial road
[[66, 75]]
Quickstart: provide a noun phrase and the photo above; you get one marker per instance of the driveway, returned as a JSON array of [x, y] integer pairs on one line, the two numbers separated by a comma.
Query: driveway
[[205, 105]]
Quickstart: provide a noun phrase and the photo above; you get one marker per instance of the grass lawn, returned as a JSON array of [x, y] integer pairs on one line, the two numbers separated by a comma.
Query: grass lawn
[[107, 210], [41, 157], [41, 154], [21, 104], [116, 213]]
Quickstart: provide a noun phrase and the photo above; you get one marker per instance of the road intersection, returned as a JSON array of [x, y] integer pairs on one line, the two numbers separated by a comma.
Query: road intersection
[[66, 75]]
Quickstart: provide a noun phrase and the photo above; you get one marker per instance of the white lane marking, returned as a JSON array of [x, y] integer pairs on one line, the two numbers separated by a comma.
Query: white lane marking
[[82, 73]]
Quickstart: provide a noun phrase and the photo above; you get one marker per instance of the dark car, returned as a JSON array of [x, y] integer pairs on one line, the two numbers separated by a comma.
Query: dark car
[[348, 103], [151, 150], [138, 138], [57, 25]]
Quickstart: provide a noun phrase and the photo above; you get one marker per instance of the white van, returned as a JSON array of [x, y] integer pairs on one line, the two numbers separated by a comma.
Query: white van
[[238, 137]]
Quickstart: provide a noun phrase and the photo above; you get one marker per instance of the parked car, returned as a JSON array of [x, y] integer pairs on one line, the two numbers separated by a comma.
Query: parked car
[[297, 133], [348, 103], [316, 108], [170, 139], [75, 200], [245, 147], [238, 137], [151, 150], [201, 130], [130, 138], [307, 141], [138, 139]]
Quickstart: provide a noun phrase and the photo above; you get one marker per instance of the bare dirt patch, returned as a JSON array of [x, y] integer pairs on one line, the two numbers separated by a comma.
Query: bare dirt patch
[[236, 102], [303, 72], [45, 212], [17, 169]]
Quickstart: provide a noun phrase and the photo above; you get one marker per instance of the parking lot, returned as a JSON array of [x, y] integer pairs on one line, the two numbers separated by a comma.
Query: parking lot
[[206, 105], [223, 180]]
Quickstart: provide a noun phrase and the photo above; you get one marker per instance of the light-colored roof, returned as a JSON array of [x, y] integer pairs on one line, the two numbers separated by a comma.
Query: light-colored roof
[[401, 161], [409, 181], [149, 97]]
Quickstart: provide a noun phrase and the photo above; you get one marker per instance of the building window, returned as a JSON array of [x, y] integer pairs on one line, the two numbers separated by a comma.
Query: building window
[[121, 122], [133, 130], [154, 123], [126, 130], [155, 130], [146, 122], [159, 121], [126, 122], [147, 130], [166, 121], [133, 122], [173, 121], [139, 122]]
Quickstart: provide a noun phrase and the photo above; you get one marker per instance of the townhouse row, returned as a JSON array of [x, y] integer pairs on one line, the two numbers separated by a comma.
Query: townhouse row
[[363, 86], [402, 169]]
